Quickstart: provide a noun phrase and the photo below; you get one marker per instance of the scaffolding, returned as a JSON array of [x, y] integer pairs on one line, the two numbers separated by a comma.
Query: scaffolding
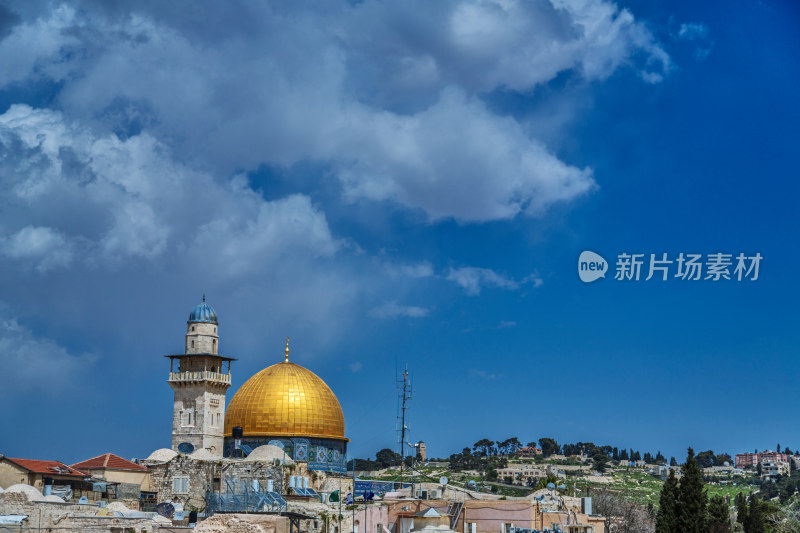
[[242, 496]]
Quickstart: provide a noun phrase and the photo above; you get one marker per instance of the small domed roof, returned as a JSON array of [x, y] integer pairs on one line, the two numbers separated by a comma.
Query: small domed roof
[[203, 313]]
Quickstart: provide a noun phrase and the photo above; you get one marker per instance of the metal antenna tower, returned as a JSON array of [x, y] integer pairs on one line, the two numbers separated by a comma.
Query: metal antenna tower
[[404, 394]]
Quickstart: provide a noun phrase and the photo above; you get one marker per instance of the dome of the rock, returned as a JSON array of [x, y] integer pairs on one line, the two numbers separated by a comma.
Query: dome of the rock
[[289, 406]]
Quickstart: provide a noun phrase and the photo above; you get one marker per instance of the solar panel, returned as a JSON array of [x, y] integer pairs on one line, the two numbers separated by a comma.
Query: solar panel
[[300, 491], [278, 498]]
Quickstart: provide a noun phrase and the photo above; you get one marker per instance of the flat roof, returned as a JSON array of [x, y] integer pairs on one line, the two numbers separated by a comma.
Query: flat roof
[[182, 355]]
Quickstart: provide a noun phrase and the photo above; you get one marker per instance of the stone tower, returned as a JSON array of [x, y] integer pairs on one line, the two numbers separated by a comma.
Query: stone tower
[[199, 384]]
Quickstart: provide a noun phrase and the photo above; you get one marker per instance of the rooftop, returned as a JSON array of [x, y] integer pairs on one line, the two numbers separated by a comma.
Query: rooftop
[[109, 461], [51, 468]]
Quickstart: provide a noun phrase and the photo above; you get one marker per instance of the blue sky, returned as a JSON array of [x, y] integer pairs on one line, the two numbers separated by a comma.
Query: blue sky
[[397, 184]]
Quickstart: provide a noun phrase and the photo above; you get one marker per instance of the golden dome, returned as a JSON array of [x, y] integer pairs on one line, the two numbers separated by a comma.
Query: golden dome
[[287, 400]]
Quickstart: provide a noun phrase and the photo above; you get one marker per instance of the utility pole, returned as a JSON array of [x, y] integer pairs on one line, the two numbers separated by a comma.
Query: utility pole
[[404, 394]]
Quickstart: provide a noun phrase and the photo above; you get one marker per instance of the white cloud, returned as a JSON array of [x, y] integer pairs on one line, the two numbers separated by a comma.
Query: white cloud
[[356, 367], [30, 362], [456, 159], [141, 202], [45, 246], [692, 31], [387, 94], [473, 279], [394, 310]]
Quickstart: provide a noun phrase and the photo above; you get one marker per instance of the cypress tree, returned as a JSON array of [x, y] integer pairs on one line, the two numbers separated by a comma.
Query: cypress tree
[[754, 523], [666, 518], [741, 508], [719, 518], [692, 498]]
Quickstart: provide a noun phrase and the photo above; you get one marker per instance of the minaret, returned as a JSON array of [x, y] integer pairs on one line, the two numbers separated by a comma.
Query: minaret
[[200, 382]]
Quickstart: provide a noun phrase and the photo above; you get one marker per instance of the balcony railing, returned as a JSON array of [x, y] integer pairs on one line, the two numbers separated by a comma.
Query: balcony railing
[[202, 375]]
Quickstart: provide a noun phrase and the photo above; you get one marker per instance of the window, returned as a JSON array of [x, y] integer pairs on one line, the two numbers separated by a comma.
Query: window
[[180, 485], [192, 328], [192, 344]]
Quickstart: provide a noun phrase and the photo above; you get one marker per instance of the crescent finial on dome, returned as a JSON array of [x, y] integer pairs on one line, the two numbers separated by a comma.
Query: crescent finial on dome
[[287, 351]]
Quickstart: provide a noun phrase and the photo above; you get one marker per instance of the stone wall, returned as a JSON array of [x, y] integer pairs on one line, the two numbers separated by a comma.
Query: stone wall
[[204, 476], [202, 338], [206, 404], [69, 517]]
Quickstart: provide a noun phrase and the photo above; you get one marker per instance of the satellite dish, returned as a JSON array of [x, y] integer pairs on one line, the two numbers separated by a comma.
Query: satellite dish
[[165, 509], [443, 480], [186, 447], [551, 486]]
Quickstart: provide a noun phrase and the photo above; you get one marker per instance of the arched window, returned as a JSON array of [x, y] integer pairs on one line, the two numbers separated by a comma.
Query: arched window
[[214, 345], [192, 328], [192, 344]]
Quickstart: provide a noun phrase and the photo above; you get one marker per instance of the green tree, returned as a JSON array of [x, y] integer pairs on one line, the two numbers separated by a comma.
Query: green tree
[[508, 446], [667, 516], [549, 446], [719, 519], [387, 458], [513, 445], [705, 459], [741, 508], [722, 458], [484, 446], [673, 462], [692, 499], [600, 461], [754, 522]]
